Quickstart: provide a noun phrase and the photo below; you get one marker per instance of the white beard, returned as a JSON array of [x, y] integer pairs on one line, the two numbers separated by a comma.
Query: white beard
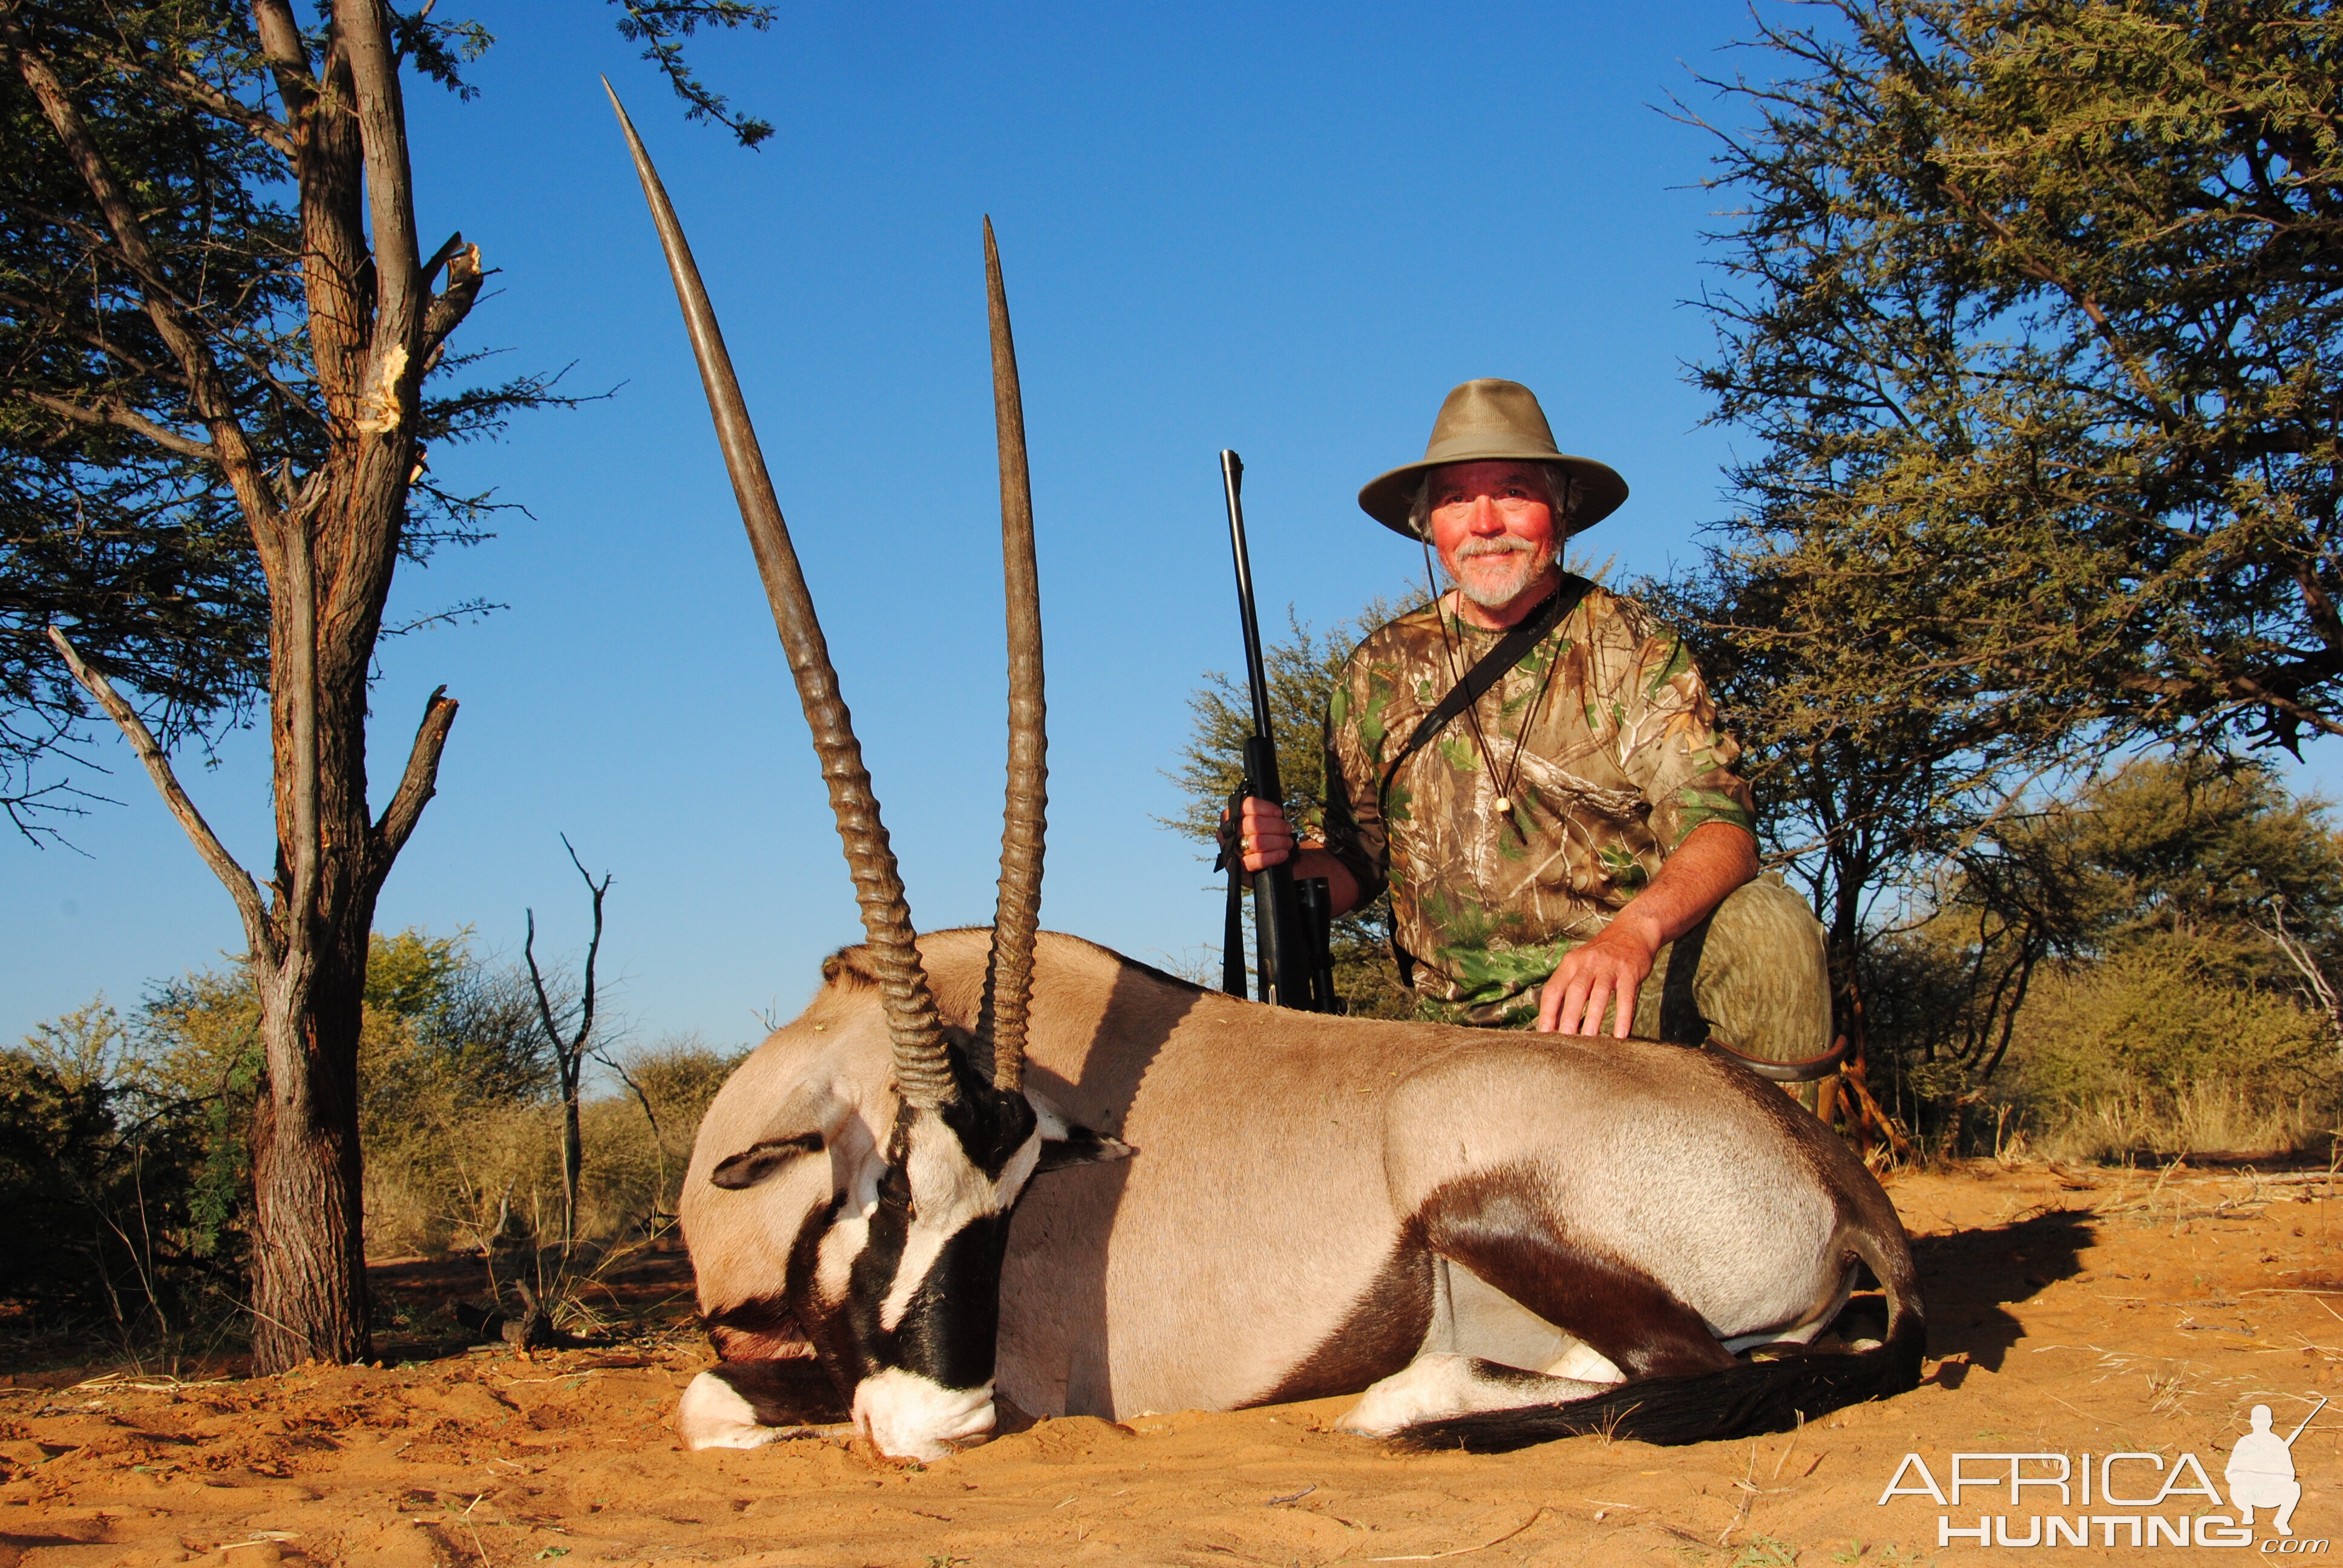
[[1495, 588]]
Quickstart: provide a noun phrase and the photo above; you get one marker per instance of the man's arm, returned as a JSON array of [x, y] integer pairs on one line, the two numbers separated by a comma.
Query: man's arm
[[1715, 859]]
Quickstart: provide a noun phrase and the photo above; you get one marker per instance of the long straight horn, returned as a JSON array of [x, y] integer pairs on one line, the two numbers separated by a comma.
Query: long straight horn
[[922, 1065], [1009, 977]]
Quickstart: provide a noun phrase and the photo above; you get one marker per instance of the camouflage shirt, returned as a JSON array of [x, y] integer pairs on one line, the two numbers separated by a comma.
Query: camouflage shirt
[[1621, 759]]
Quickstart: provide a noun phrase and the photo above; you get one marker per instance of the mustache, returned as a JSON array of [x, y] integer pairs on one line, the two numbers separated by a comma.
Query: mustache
[[1501, 545]]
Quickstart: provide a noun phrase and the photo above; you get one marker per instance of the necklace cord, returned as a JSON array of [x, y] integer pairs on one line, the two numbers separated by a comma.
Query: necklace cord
[[1503, 784]]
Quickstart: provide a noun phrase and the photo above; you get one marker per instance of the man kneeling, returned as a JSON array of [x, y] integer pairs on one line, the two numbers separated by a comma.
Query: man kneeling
[[1574, 840]]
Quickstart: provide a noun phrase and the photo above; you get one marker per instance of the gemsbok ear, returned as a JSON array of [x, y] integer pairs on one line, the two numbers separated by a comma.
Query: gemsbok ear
[[1067, 1143], [760, 1160], [802, 1126], [1080, 1146]]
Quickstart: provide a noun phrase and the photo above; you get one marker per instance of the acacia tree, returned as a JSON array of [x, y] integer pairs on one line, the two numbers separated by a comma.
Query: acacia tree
[[2187, 859], [2032, 309], [235, 285], [2035, 310]]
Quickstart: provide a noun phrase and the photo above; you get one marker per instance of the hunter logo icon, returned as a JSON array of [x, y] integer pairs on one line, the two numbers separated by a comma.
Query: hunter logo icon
[[2261, 1471]]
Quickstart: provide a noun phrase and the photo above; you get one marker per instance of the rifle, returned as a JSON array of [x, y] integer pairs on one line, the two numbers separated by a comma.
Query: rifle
[[1291, 921]]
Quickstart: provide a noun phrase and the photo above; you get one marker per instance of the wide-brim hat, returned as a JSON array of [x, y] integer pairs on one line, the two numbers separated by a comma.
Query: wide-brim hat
[[1491, 420]]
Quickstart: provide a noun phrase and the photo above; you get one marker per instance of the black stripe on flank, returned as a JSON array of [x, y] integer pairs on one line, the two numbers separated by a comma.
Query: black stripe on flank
[[1381, 1333], [1496, 1224]]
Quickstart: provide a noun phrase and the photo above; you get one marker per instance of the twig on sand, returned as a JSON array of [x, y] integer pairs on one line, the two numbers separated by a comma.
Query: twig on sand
[[2085, 1415], [1461, 1551], [465, 1519], [105, 1381], [1748, 1496], [1785, 1459]]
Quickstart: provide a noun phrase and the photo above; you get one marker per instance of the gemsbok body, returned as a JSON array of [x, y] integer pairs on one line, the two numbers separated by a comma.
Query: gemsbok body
[[1005, 1165]]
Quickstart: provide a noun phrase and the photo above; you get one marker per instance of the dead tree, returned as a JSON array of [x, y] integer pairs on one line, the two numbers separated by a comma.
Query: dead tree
[[569, 1053]]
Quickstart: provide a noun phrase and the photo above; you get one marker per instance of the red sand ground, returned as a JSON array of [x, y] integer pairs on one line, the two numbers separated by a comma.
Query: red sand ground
[[2069, 1311]]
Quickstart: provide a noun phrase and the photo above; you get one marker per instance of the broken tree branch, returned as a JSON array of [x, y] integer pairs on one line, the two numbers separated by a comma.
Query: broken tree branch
[[569, 1054], [417, 785], [2304, 963], [393, 365]]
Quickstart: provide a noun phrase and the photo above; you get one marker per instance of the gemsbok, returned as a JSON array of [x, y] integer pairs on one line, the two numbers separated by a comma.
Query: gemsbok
[[1009, 1165]]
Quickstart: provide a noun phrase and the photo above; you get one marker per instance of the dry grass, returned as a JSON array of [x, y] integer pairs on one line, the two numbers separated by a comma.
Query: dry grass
[[2202, 1117]]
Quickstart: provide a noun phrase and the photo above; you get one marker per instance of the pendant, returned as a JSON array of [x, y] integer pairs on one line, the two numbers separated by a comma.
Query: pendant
[[1505, 806]]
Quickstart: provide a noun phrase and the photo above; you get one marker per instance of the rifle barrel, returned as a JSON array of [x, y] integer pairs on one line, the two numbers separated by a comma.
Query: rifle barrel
[[1256, 674]]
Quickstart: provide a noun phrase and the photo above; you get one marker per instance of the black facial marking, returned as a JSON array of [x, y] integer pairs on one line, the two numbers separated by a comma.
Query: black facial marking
[[950, 1323], [759, 1161], [762, 1328], [825, 1325], [950, 1326], [783, 1393], [991, 1126]]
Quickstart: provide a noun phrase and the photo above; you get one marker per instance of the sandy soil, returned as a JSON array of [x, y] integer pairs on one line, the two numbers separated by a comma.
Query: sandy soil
[[2093, 1311]]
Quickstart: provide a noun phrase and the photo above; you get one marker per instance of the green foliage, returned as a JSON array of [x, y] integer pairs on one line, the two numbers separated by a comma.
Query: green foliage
[[100, 1171], [2032, 308], [115, 523], [442, 1031], [2026, 323], [141, 549], [123, 1141], [2123, 945], [486, 1173], [661, 26], [2187, 846], [2163, 1014]]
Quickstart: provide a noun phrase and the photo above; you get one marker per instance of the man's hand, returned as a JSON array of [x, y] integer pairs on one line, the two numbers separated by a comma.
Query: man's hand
[[1268, 836], [1269, 841], [1715, 859], [1595, 975]]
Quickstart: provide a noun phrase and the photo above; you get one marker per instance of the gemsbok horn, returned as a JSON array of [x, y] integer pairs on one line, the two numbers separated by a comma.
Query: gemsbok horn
[[927, 1220]]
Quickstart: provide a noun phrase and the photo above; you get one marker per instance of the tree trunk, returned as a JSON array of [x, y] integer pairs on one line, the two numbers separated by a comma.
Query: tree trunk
[[573, 1160], [309, 1286]]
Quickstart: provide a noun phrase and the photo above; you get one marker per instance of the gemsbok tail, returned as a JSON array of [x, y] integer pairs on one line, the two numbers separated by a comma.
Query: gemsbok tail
[[1740, 1401]]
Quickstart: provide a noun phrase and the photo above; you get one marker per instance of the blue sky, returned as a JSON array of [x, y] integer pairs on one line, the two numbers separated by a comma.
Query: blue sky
[[1287, 230]]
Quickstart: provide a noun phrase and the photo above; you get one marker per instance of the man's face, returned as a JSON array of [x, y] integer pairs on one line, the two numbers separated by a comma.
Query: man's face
[[1493, 526]]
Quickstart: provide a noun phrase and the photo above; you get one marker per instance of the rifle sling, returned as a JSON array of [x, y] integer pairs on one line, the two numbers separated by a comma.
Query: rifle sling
[[1486, 672]]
